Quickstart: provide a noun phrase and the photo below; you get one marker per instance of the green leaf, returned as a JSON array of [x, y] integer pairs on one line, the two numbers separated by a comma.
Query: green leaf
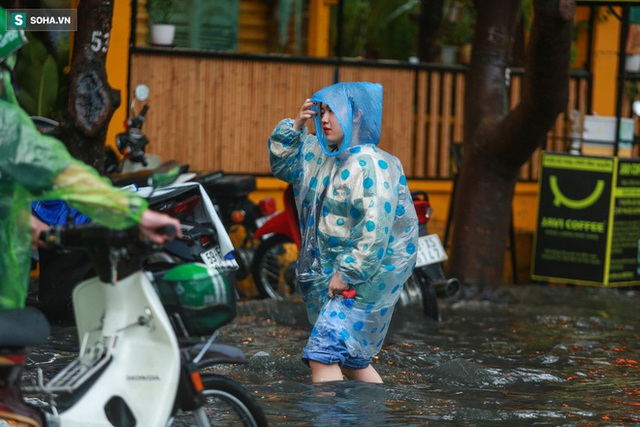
[[36, 78]]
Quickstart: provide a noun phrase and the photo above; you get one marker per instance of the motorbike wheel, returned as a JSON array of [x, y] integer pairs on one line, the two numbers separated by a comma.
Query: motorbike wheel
[[273, 262], [227, 403], [420, 289], [429, 296]]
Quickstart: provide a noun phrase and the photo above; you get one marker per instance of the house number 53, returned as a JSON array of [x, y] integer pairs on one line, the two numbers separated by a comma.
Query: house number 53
[[99, 41]]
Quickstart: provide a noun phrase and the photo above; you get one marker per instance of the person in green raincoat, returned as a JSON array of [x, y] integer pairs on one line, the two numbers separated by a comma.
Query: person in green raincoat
[[33, 166], [358, 225]]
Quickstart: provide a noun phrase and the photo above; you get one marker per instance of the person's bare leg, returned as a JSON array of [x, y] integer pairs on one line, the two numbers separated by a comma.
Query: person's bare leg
[[321, 372], [368, 374]]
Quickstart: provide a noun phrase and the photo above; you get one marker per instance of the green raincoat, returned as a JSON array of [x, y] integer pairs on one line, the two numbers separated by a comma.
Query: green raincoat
[[33, 166]]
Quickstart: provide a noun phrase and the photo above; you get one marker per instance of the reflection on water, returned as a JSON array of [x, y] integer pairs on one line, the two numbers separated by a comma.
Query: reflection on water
[[561, 356]]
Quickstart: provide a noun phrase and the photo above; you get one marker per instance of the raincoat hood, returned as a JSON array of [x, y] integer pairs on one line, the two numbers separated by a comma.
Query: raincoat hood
[[358, 107]]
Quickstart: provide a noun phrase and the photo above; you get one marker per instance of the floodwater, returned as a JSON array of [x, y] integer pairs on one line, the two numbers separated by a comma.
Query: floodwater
[[559, 356]]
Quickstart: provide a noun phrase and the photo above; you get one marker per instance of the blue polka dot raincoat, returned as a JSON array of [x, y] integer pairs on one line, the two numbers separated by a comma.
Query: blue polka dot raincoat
[[356, 217]]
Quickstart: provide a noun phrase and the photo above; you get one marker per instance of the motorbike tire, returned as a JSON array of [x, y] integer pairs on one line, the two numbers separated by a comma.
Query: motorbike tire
[[419, 289], [227, 403], [272, 262], [429, 295]]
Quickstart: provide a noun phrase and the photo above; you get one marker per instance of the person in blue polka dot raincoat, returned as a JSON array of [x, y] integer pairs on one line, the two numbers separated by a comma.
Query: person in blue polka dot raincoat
[[359, 227]]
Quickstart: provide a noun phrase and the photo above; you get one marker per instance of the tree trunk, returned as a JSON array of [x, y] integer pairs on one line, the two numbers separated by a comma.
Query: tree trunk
[[92, 101], [497, 142]]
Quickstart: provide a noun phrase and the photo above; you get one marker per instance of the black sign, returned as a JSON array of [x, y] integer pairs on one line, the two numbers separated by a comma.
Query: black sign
[[625, 234], [573, 218]]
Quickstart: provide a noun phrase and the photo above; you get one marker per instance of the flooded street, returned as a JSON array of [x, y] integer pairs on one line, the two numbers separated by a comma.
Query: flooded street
[[561, 356]]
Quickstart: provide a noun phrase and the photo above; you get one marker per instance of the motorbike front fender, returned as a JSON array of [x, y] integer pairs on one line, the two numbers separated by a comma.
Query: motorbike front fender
[[216, 354], [279, 223]]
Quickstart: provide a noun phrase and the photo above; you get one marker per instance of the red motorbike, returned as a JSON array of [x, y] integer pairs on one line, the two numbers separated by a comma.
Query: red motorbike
[[273, 266], [274, 261]]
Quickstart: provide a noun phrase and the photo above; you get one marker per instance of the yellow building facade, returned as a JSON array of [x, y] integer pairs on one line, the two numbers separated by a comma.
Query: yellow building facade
[[606, 39]]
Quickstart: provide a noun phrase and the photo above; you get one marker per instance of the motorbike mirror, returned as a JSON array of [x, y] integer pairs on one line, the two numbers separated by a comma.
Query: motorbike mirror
[[636, 107], [165, 174], [141, 92]]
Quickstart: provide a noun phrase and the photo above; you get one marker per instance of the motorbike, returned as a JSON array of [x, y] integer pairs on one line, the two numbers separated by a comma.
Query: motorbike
[[229, 193], [275, 258], [145, 338], [428, 281], [131, 143], [274, 261], [204, 239], [239, 214]]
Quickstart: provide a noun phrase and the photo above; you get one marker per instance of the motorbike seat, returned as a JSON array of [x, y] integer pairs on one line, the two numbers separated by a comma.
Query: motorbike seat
[[23, 327], [228, 186]]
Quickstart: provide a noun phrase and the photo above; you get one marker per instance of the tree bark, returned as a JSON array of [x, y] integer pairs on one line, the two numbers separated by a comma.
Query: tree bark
[[497, 142], [92, 101]]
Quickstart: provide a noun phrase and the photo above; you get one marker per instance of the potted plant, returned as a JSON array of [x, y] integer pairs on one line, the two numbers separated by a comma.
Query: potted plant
[[162, 32], [457, 28]]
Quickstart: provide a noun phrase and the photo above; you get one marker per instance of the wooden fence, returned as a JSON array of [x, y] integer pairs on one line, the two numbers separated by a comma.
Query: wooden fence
[[217, 111]]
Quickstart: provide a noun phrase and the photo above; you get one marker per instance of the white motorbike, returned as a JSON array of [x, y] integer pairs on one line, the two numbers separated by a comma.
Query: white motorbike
[[141, 344]]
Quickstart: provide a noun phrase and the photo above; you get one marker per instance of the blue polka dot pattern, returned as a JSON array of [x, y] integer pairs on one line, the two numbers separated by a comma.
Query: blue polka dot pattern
[[411, 248]]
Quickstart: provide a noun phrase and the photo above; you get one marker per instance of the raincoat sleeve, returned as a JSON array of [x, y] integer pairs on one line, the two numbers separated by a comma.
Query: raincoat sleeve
[[285, 149], [45, 168], [372, 204]]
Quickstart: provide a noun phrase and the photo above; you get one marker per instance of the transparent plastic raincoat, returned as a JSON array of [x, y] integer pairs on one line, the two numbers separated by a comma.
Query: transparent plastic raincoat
[[33, 166], [356, 217]]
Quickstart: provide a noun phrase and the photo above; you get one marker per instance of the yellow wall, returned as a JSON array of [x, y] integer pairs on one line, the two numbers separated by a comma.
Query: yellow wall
[[118, 64], [605, 64]]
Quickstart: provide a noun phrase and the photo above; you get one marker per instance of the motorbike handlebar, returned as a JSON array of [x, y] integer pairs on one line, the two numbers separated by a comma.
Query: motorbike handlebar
[[138, 121], [101, 242], [90, 235]]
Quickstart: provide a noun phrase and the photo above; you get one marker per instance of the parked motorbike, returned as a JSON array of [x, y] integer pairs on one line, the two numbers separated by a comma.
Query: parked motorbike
[[140, 356], [274, 261], [229, 193], [132, 143], [204, 240], [428, 281], [239, 214]]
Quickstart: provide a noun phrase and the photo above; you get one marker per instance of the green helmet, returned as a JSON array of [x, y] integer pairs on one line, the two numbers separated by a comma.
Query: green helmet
[[198, 299]]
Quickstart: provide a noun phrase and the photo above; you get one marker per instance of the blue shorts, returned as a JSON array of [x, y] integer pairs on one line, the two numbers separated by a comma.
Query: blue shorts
[[329, 349]]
